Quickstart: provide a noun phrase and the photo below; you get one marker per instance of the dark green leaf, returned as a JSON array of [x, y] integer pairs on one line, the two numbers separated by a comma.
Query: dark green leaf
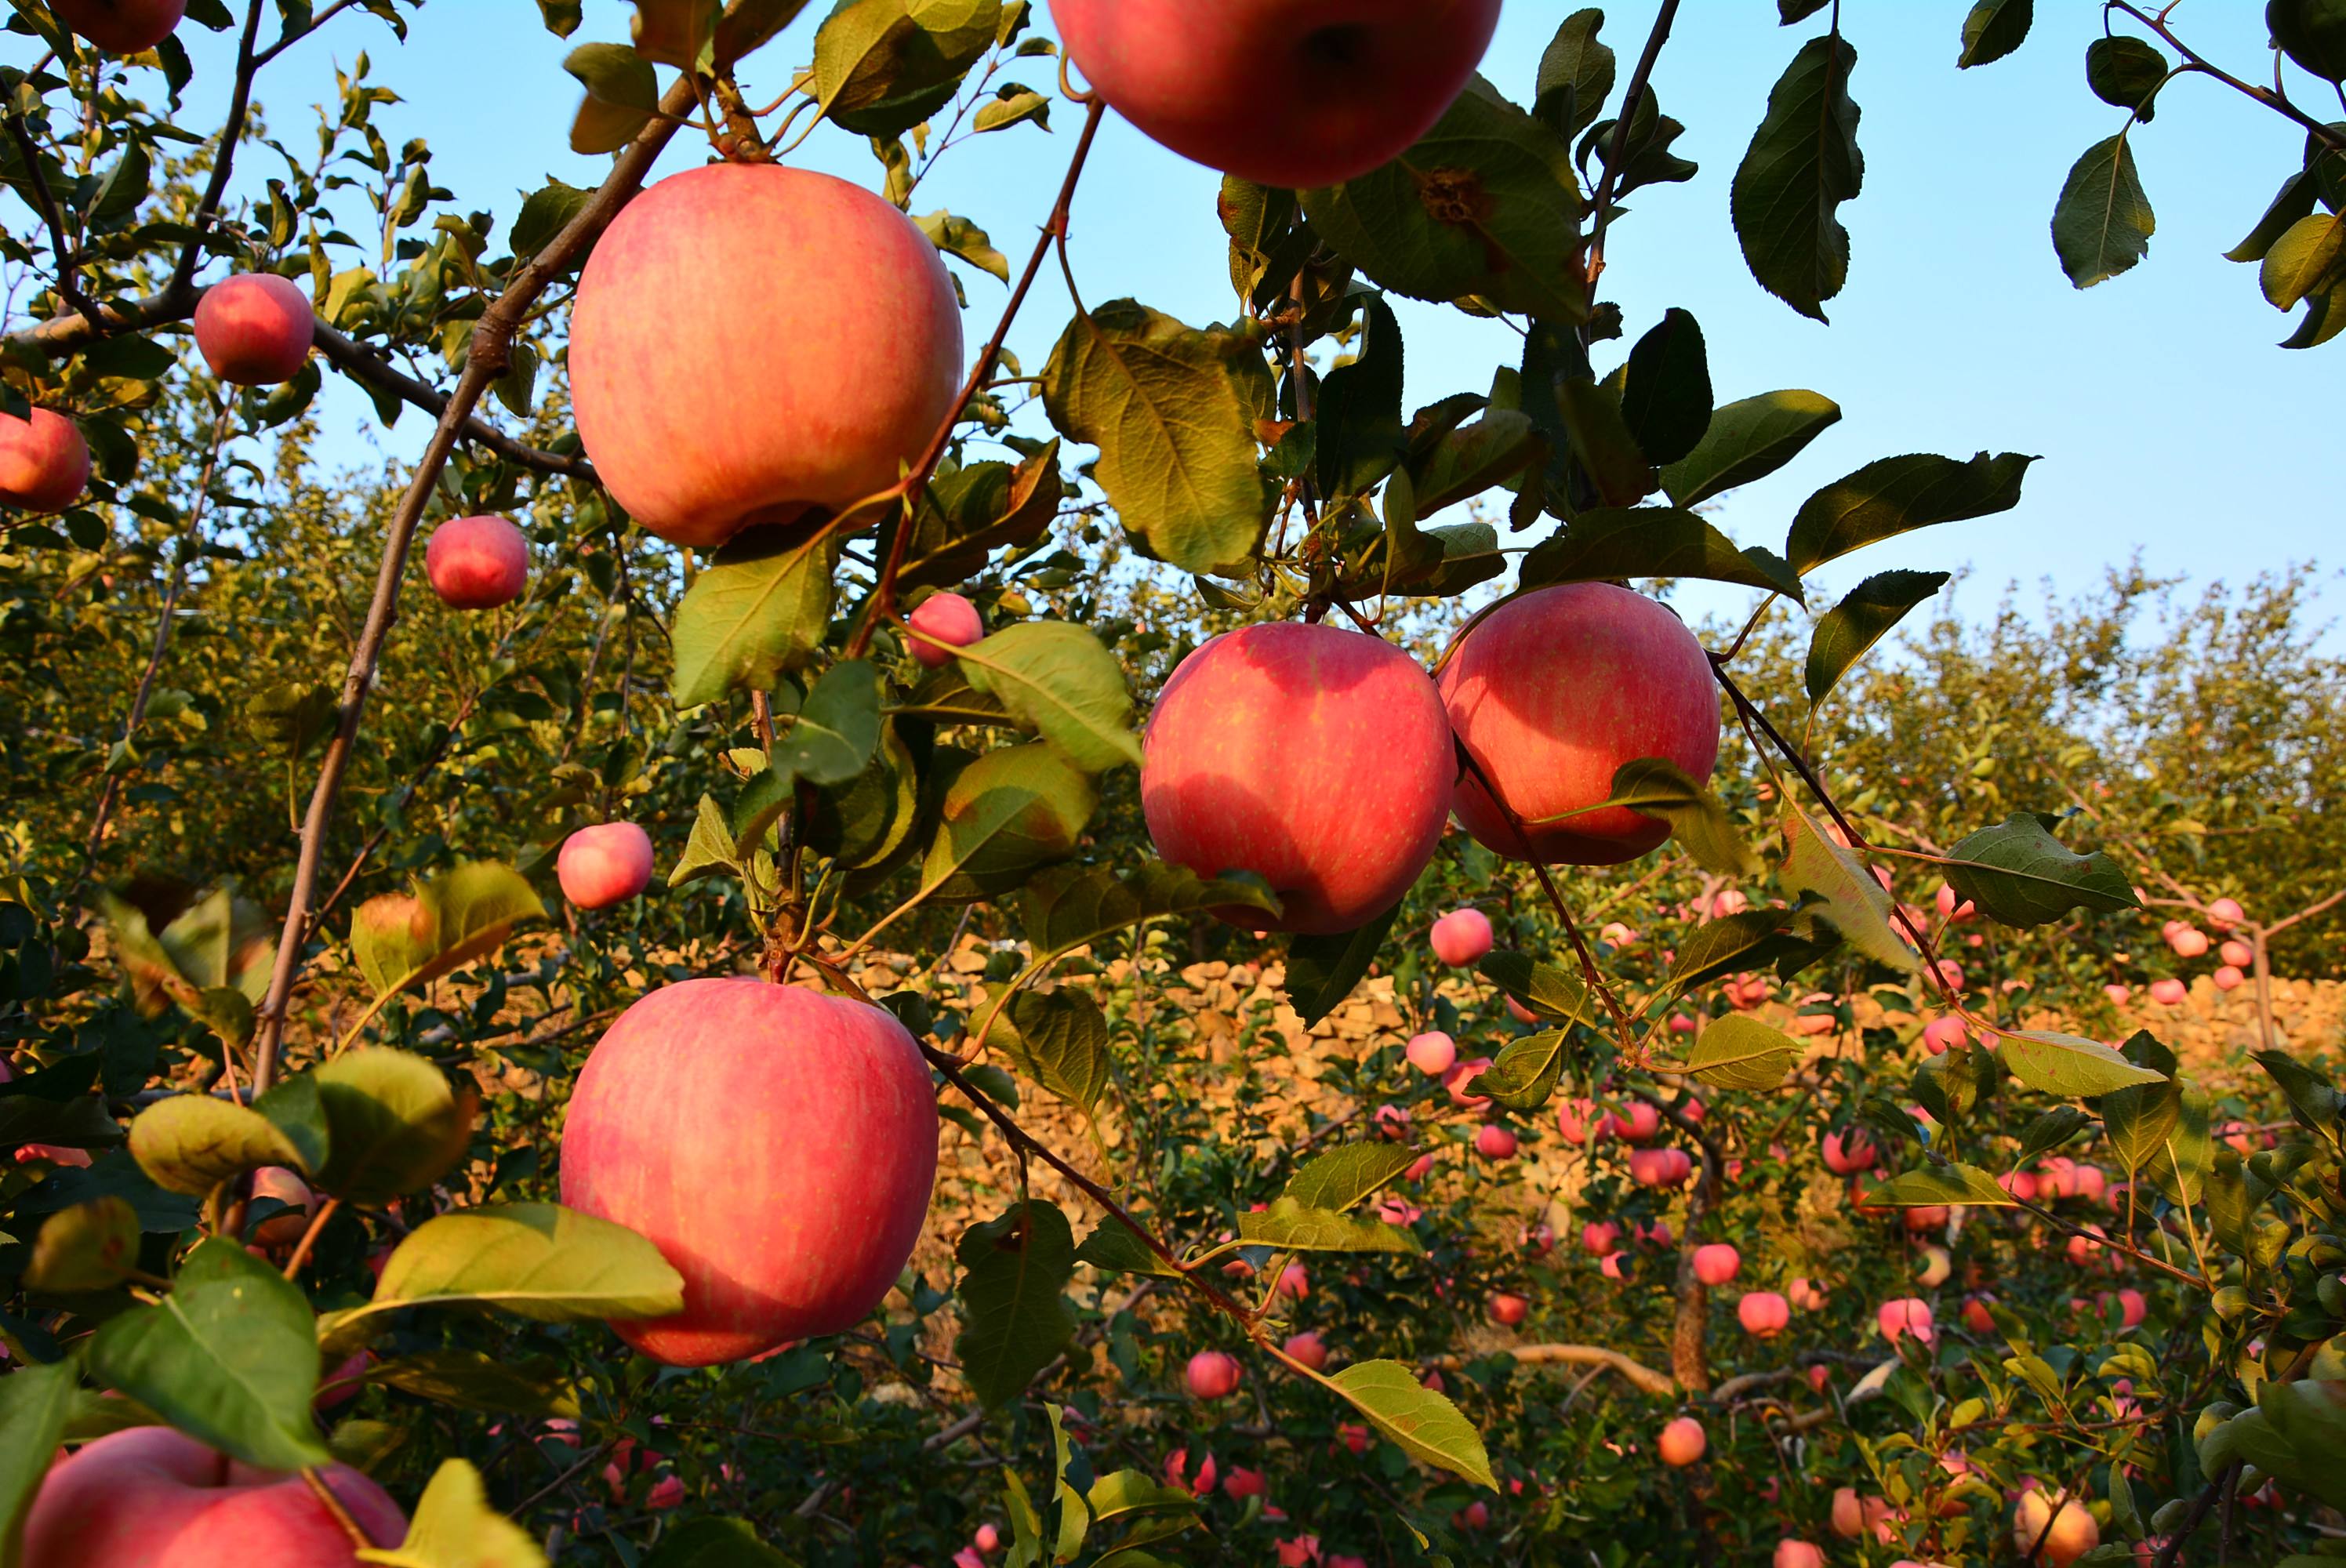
[[1551, 993], [1609, 543], [2021, 875], [1666, 395], [1747, 439], [835, 733], [1698, 821], [1003, 815], [546, 212], [1358, 412], [1524, 1076], [2054, 1128], [1731, 944], [1069, 906], [1059, 1039], [1015, 1269], [1465, 461], [470, 1380], [2138, 1120], [2101, 223], [2294, 200], [1113, 1247], [714, 1543], [1575, 75], [1861, 619], [1323, 970], [2317, 1104], [1896, 495], [1802, 164], [882, 66], [1994, 29], [35, 1402], [622, 95], [970, 513], [1598, 433], [2125, 71]]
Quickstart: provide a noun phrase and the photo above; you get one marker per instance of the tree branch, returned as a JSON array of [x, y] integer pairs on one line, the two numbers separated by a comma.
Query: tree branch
[[1619, 142]]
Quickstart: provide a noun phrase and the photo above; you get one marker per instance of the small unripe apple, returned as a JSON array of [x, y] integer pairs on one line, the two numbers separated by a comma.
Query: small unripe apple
[[1307, 1348], [2073, 1532], [1507, 1311], [2168, 991], [1716, 1263], [1681, 1442], [2188, 941], [1908, 1314], [121, 26], [1461, 937], [1495, 1142], [1846, 1154], [1431, 1052], [1213, 1375], [43, 461], [2237, 953], [606, 864], [254, 329], [2229, 978], [1936, 1266], [943, 618], [1763, 1314], [1791, 1554], [477, 563]]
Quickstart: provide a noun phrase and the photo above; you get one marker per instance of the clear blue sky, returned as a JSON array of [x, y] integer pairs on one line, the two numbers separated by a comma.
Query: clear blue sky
[[2168, 422]]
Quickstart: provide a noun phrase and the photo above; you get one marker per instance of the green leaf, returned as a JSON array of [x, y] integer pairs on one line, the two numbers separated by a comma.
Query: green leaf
[[2180, 1168], [1598, 433], [92, 1246], [969, 512], [454, 1527], [1358, 412], [710, 850], [405, 939], [1291, 1226], [756, 612], [2315, 1103], [1556, 994], [959, 236], [1897, 495], [1485, 204], [1575, 75], [1069, 907], [545, 213], [2312, 33], [1698, 821], [1936, 1185], [882, 66], [469, 1380], [1994, 29], [622, 95], [1854, 904], [1739, 1052], [1059, 1039], [1747, 439], [1057, 677], [2138, 1121], [1323, 970], [1861, 619], [191, 1143], [2021, 875], [1113, 1247], [1015, 1271], [2295, 198], [1342, 1178], [1470, 460], [1172, 411], [1666, 394], [1730, 945], [394, 1126], [2125, 73], [678, 33], [2049, 1131], [34, 1400], [835, 733], [230, 1356], [1524, 1076], [1012, 104], [2101, 223], [1609, 543], [1802, 164], [114, 1175], [714, 1543], [1004, 815], [1426, 1426], [2054, 1064], [2308, 253], [1790, 11]]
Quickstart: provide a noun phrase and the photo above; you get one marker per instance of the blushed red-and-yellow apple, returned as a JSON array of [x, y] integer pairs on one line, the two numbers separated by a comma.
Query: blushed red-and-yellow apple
[[1763, 1314], [43, 461], [254, 329], [606, 864], [1907, 1315], [154, 1498], [2062, 1523], [777, 1144], [1213, 1375], [1551, 693], [1493, 1142], [1791, 1554], [1317, 758], [476, 562], [1307, 1348], [1681, 1443], [1357, 81], [1431, 1052], [945, 622], [1461, 937], [2168, 991], [751, 341], [1716, 1263], [1507, 1310]]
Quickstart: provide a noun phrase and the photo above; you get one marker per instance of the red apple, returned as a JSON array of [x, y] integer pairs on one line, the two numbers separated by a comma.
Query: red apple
[[2073, 1532], [1943, 1032], [121, 26], [2188, 941], [2169, 991], [945, 622], [1241, 1484], [2226, 914], [1461, 937], [1579, 1121], [1358, 80], [1763, 1314], [606, 864], [154, 1498], [2238, 953], [1845, 1155], [1495, 1142], [1976, 1316], [254, 329], [1314, 756], [1463, 1073], [1791, 1554], [1599, 1236], [1716, 1263], [1307, 1348], [283, 1228], [1507, 1310], [1808, 1295], [1956, 910], [1681, 1442], [1642, 1122], [1552, 691], [476, 562], [1213, 1375], [1431, 1052], [777, 1144], [1908, 1314], [2229, 978], [43, 461], [1926, 1216], [752, 341]]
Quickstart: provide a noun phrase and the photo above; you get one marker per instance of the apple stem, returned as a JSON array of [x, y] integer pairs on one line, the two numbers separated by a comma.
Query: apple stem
[[332, 1504]]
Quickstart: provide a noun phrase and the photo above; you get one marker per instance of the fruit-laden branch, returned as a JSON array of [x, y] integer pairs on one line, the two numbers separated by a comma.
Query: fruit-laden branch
[[487, 360], [882, 606], [183, 272]]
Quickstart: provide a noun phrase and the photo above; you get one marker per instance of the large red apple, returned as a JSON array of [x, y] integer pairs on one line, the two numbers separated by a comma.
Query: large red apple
[[43, 461], [121, 26], [254, 329], [1314, 756], [1283, 92], [1552, 691], [750, 341], [154, 1498], [776, 1144]]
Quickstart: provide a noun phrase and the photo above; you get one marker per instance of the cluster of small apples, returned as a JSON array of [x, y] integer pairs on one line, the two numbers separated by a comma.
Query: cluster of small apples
[[2188, 940]]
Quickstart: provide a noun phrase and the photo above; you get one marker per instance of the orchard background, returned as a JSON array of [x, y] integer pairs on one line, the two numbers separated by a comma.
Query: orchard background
[[1930, 1153]]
